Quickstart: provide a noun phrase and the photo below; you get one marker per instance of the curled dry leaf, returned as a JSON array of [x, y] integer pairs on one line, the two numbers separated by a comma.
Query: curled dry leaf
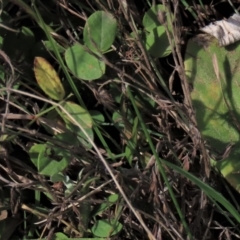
[[227, 31]]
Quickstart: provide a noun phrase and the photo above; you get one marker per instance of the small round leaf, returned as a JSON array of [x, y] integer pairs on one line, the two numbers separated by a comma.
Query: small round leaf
[[104, 228], [83, 64], [157, 42], [150, 19], [100, 31], [80, 114]]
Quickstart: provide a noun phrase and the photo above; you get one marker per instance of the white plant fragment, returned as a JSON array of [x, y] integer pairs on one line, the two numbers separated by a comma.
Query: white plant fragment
[[226, 31]]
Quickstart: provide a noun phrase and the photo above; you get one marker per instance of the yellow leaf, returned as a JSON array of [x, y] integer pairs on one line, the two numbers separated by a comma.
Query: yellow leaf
[[47, 78]]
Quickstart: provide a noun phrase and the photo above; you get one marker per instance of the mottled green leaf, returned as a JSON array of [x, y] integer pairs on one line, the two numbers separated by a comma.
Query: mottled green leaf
[[214, 75]]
